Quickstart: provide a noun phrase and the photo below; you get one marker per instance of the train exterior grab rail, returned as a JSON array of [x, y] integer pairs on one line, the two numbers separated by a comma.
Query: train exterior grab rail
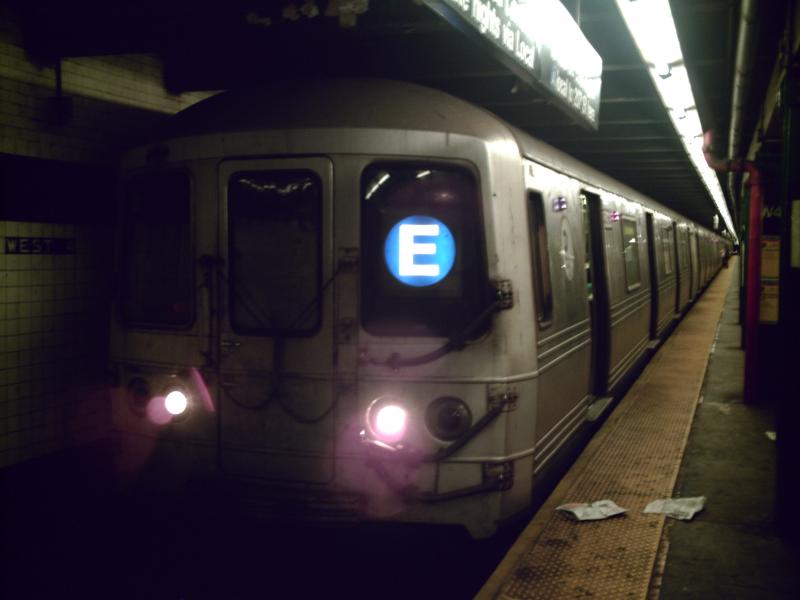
[[365, 299]]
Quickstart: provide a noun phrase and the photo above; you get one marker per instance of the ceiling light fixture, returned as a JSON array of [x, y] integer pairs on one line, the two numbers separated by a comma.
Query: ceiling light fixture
[[663, 70], [652, 27]]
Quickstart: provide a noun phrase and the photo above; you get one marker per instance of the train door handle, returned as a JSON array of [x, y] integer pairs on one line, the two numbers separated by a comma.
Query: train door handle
[[230, 343]]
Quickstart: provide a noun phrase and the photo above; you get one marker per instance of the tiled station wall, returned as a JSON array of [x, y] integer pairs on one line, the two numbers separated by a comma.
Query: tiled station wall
[[54, 307], [115, 101], [53, 316]]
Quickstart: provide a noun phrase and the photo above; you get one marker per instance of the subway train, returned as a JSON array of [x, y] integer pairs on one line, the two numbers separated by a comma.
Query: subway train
[[350, 300]]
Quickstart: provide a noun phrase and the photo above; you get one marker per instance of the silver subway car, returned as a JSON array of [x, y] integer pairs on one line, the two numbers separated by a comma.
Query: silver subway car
[[371, 300]]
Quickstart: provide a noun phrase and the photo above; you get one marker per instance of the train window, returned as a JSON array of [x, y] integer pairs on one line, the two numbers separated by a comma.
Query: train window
[[540, 260], [157, 268], [275, 242], [630, 250], [424, 271], [667, 247]]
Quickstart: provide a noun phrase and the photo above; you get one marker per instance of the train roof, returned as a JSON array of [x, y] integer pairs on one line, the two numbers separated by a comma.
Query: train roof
[[335, 103], [541, 152], [376, 103]]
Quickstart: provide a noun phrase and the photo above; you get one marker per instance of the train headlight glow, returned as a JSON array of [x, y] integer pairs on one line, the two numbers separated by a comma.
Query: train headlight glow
[[390, 421], [176, 402], [448, 418], [387, 419]]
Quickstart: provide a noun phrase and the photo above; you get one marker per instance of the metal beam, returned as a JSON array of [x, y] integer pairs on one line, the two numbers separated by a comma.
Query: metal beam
[[680, 169], [613, 139], [679, 151], [710, 62], [607, 68], [683, 161], [516, 102], [551, 124]]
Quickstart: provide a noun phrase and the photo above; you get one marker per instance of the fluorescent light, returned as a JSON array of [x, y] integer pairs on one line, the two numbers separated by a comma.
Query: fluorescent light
[[383, 179], [663, 70], [652, 27]]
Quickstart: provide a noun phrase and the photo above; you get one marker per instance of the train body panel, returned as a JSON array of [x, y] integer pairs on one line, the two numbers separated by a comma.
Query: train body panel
[[277, 272], [561, 316], [626, 248], [663, 265], [684, 267]]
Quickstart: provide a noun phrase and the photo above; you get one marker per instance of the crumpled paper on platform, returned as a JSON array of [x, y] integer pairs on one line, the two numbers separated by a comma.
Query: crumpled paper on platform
[[602, 509], [677, 508]]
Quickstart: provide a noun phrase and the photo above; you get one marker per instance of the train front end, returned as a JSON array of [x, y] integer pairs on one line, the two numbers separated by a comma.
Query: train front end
[[308, 323]]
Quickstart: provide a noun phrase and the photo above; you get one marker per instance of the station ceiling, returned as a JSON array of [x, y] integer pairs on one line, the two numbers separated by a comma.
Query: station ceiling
[[221, 45]]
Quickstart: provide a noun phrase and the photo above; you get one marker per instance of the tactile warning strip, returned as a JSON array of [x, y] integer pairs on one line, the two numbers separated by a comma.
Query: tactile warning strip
[[633, 460]]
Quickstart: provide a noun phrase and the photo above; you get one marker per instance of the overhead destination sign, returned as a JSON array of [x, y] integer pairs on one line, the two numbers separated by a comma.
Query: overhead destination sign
[[540, 41]]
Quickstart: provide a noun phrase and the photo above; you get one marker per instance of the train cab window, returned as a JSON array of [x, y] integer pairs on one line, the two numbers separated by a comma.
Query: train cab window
[[275, 242], [540, 260], [424, 268], [157, 269], [667, 247], [630, 251]]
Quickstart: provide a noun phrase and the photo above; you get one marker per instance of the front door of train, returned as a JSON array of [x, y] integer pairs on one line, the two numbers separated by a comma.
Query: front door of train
[[597, 290], [274, 319]]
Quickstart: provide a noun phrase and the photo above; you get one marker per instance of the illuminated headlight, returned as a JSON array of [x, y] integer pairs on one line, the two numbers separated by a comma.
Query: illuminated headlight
[[176, 402], [387, 419], [448, 418]]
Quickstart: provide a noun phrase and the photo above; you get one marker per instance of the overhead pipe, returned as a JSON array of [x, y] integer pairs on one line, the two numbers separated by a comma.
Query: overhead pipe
[[743, 69], [753, 249]]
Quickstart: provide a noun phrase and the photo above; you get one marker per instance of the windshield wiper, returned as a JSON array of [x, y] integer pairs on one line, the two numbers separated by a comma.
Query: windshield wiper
[[503, 299]]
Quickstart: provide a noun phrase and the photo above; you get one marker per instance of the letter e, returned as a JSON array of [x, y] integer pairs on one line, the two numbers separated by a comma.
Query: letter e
[[409, 249]]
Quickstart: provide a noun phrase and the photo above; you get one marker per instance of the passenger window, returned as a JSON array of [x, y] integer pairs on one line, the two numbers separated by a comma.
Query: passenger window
[[540, 260], [666, 244], [274, 220], [630, 250], [157, 281]]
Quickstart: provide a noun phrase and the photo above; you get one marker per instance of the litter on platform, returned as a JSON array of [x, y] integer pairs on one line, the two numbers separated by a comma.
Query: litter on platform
[[677, 508], [602, 509]]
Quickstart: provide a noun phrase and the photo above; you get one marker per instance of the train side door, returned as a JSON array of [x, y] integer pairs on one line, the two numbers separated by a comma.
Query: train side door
[[677, 259], [597, 290], [275, 323], [693, 261], [652, 246]]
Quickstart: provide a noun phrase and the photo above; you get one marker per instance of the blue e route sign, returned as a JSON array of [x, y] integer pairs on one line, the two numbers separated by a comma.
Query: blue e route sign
[[419, 251]]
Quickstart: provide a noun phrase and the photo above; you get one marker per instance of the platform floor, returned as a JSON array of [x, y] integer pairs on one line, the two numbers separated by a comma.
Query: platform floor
[[641, 454]]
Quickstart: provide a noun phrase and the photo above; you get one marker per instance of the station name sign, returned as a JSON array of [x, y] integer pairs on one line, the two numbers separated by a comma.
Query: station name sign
[[39, 245], [542, 44]]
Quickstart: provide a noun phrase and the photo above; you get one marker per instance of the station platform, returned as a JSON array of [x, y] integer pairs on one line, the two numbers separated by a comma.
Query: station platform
[[682, 430]]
